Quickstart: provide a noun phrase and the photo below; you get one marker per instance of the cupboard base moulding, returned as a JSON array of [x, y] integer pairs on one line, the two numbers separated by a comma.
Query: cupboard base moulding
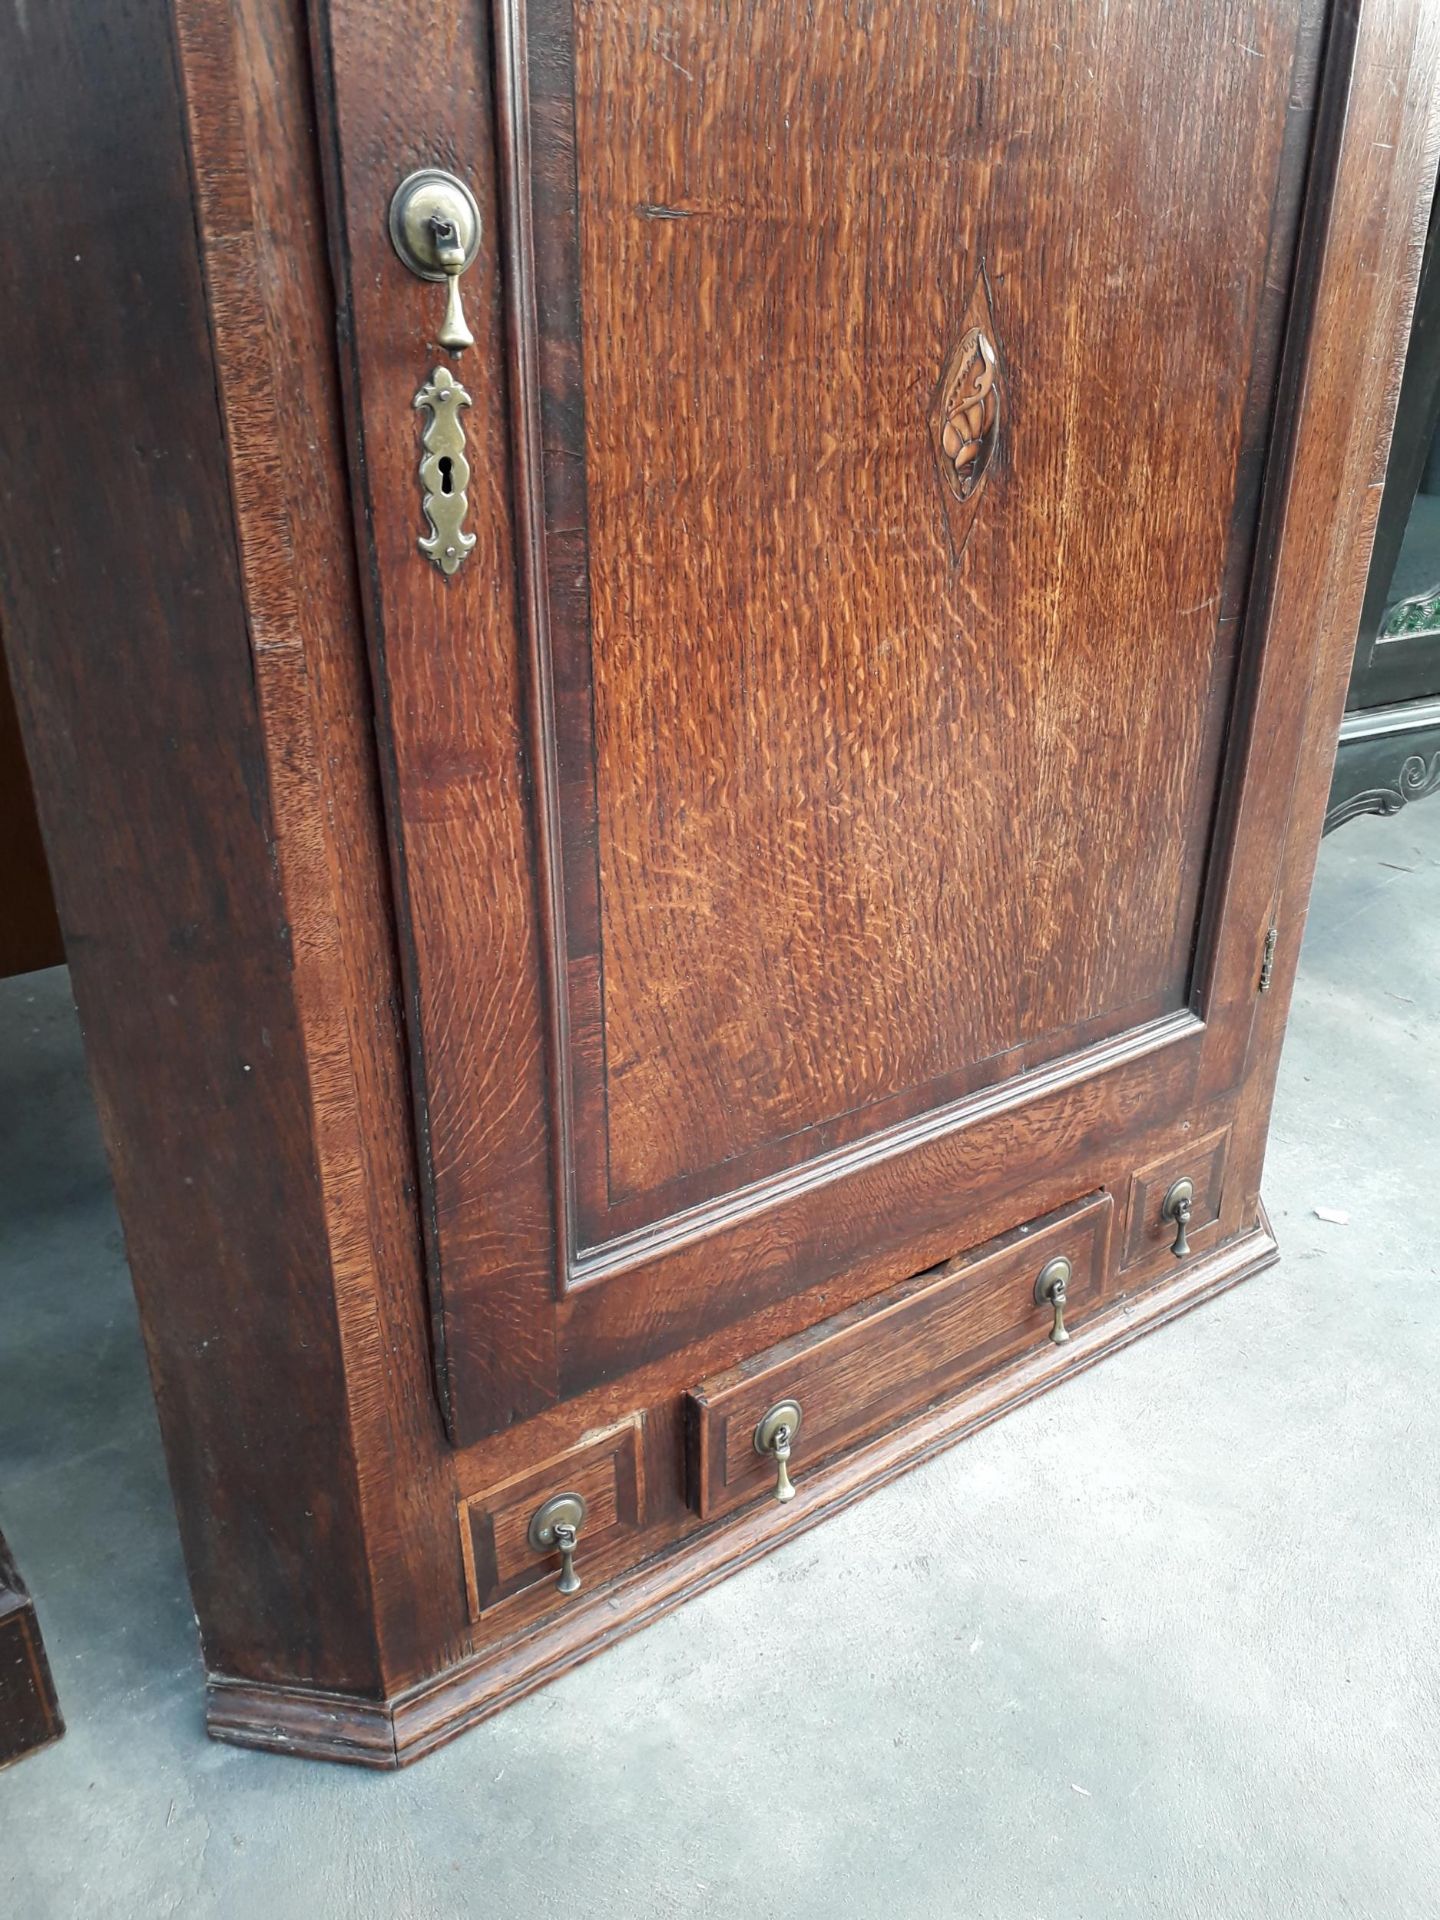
[[391, 1733]]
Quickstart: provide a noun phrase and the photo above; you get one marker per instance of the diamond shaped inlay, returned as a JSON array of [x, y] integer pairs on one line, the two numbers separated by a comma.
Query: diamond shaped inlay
[[965, 414]]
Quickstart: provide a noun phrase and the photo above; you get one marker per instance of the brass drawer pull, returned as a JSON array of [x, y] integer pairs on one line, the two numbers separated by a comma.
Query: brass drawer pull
[[435, 229], [774, 1436], [1051, 1290], [1178, 1206], [555, 1528]]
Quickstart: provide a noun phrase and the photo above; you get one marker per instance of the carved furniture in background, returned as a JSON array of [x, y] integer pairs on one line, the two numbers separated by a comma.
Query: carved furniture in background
[[1389, 752], [660, 941]]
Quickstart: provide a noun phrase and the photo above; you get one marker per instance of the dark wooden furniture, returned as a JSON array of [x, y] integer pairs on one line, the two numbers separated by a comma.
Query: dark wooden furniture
[[763, 858], [29, 927], [29, 1710], [1389, 752]]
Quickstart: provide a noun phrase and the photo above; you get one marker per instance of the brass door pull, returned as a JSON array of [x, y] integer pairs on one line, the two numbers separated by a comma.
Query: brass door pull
[[1178, 1205], [435, 229], [1050, 1290], [773, 1439], [555, 1528]]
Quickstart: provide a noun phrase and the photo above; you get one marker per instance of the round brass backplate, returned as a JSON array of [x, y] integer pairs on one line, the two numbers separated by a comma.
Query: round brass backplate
[[785, 1413], [432, 194], [561, 1510], [1054, 1273], [1182, 1191]]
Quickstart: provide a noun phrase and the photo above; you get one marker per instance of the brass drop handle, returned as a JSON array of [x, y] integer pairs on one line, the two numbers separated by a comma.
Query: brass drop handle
[[555, 1528], [454, 334], [774, 1438], [1178, 1205], [1051, 1290], [435, 229]]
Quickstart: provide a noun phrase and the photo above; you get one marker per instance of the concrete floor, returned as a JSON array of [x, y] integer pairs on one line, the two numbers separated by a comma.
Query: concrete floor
[[1162, 1643]]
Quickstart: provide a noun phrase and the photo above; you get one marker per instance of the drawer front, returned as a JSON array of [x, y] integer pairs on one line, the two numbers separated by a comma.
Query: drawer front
[[891, 1357], [606, 1471], [1148, 1231]]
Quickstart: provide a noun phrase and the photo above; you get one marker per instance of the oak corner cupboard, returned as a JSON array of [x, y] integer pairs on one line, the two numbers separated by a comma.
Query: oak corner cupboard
[[681, 665]]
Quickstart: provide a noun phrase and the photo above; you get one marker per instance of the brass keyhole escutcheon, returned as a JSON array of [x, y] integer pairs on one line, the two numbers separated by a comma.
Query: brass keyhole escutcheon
[[1178, 1205], [435, 229], [1051, 1289], [444, 471], [774, 1438], [555, 1528]]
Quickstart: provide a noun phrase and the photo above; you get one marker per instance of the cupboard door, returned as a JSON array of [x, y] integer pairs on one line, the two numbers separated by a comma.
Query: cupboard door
[[805, 793]]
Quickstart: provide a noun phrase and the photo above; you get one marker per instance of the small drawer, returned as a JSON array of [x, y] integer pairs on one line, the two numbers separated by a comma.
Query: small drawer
[[1148, 1231], [607, 1472], [891, 1357]]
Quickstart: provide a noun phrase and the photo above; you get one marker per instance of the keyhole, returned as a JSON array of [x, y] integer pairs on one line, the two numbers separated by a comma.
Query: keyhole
[[447, 485]]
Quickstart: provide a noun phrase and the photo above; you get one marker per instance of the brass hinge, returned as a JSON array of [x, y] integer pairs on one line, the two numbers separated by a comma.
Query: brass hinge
[[1267, 964]]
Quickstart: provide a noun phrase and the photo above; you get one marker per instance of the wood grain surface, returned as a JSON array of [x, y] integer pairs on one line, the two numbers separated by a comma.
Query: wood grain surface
[[453, 702], [148, 753], [871, 822]]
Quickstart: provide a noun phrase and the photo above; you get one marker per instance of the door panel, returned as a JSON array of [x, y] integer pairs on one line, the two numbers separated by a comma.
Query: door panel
[[852, 823], [837, 816]]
